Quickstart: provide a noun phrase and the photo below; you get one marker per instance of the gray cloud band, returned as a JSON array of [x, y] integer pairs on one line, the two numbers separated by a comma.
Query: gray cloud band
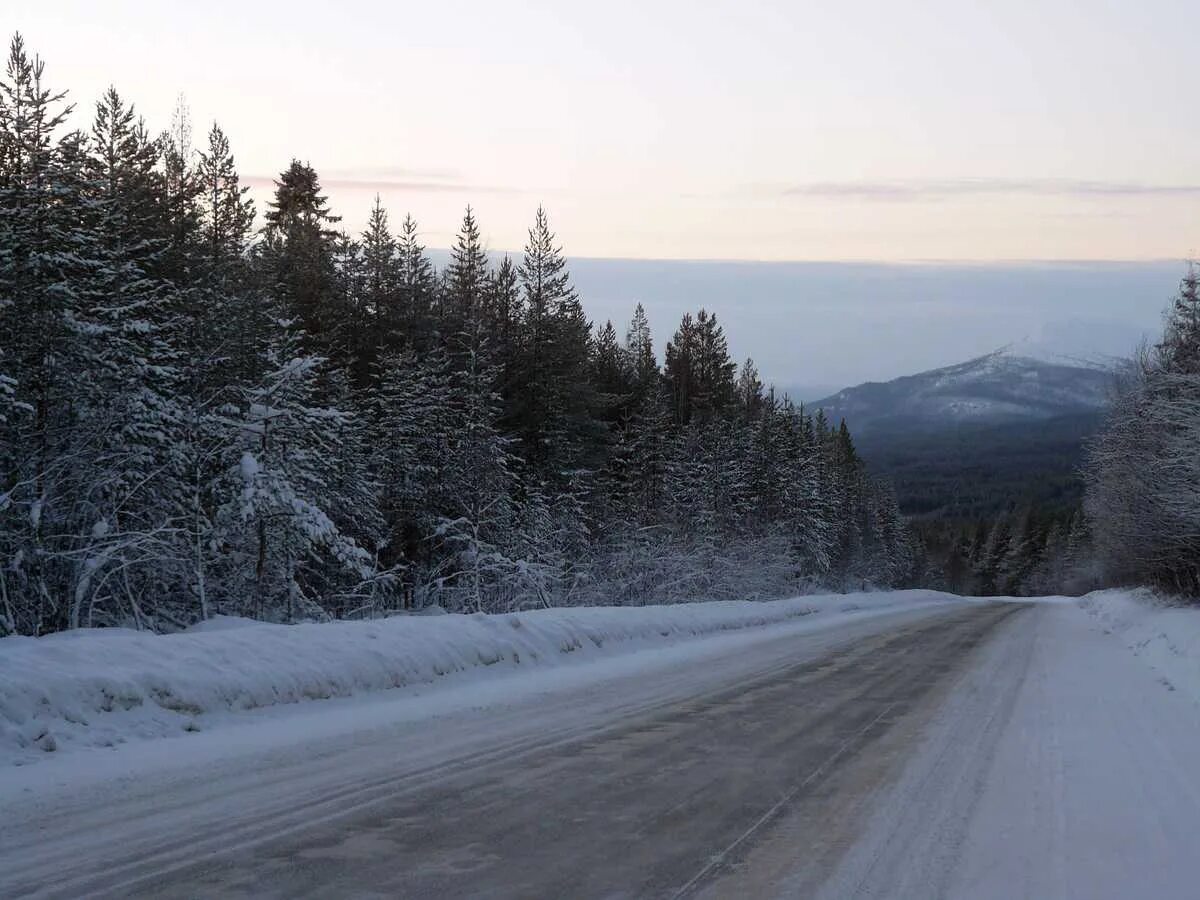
[[957, 187]]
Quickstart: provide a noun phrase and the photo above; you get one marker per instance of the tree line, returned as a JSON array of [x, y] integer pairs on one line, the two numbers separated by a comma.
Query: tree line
[[207, 412], [1027, 551]]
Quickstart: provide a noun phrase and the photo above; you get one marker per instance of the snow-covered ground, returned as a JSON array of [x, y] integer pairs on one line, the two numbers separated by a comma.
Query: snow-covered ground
[[1060, 762], [1062, 765], [1163, 633], [148, 806], [104, 687]]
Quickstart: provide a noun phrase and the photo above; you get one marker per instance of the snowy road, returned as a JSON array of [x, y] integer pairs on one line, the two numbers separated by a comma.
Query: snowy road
[[1001, 750]]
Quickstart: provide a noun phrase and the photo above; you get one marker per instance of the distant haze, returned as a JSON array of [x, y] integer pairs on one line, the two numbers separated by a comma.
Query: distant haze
[[816, 327]]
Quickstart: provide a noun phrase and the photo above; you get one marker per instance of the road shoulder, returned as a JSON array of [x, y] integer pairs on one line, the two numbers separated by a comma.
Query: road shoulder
[[1058, 767]]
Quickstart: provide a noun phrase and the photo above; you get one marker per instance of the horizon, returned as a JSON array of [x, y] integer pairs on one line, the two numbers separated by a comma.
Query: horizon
[[846, 323]]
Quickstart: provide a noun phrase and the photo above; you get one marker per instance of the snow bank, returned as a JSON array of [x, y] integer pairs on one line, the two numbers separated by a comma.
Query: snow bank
[[1164, 633], [105, 686]]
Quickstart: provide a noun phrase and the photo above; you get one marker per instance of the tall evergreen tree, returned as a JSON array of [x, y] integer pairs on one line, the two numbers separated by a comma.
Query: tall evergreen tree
[[613, 375], [698, 368], [750, 390], [131, 396], [418, 290], [297, 258], [466, 282], [554, 398], [639, 345], [43, 255], [376, 308], [504, 326], [284, 548]]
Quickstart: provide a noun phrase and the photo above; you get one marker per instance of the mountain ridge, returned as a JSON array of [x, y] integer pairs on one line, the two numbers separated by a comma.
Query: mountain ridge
[[999, 387]]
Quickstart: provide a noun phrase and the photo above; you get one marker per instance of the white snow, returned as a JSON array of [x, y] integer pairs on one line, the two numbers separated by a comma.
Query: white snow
[[249, 467], [1059, 766], [104, 687], [1163, 633], [154, 804], [1061, 763]]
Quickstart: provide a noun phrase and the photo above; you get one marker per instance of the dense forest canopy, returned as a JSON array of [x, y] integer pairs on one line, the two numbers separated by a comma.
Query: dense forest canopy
[[206, 411]]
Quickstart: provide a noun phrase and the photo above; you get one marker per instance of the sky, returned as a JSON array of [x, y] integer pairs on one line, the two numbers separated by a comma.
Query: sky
[[731, 129], [950, 131]]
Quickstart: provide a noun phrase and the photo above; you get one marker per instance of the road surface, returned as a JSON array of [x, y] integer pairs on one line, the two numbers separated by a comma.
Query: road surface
[[861, 760]]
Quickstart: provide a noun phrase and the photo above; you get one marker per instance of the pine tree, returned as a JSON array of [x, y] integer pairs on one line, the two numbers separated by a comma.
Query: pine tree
[[750, 391], [476, 500], [180, 195], [297, 258], [714, 368], [679, 369], [466, 284], [612, 374], [554, 407], [285, 557], [218, 332], [227, 212], [418, 289], [132, 392], [1179, 349], [42, 255], [504, 327], [639, 345], [230, 320], [375, 314], [411, 437], [698, 368]]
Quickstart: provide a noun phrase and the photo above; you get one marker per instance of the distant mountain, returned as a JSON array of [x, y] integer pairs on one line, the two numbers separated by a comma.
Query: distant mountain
[[1002, 387], [977, 438]]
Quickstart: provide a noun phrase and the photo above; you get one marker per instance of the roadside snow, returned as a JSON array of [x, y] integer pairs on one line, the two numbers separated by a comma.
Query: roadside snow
[[1164, 634], [1058, 766], [103, 687]]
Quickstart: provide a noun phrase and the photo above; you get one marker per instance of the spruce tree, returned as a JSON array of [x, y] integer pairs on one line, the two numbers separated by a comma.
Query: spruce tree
[[613, 375], [698, 368], [375, 318], [131, 397], [297, 258], [639, 345], [418, 290], [466, 285], [555, 402], [750, 391], [504, 327], [286, 558], [43, 254]]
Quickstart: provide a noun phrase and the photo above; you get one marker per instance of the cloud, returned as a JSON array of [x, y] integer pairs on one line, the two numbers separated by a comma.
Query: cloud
[[391, 178], [394, 173], [938, 189]]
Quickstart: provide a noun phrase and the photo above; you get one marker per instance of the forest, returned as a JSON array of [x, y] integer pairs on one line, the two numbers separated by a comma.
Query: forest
[[207, 410]]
